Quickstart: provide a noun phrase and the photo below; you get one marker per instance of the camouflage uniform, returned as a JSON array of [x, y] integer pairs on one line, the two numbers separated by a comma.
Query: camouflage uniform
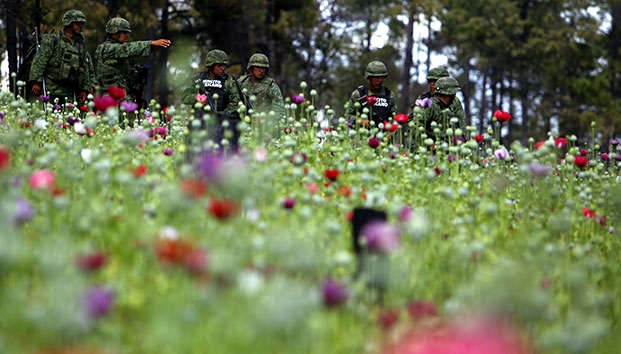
[[440, 112], [113, 60], [434, 75], [267, 92], [386, 105], [64, 64]]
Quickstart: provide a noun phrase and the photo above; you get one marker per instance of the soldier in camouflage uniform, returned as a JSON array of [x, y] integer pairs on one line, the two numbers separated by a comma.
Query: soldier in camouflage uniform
[[62, 64], [432, 77], [257, 83], [222, 97], [385, 106], [442, 108], [113, 58]]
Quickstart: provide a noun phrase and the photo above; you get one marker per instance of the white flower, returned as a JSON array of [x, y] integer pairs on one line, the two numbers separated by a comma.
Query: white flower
[[87, 155], [79, 128], [40, 124]]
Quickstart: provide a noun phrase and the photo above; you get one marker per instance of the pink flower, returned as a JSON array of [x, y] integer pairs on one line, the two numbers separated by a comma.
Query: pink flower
[[297, 99], [334, 293], [42, 179], [380, 236], [424, 103], [104, 102], [201, 98]]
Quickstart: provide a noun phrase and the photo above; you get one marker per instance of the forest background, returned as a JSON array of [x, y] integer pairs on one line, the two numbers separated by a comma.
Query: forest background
[[554, 65]]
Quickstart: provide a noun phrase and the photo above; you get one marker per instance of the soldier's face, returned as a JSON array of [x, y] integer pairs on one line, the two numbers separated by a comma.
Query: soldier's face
[[432, 85], [77, 27], [258, 72], [376, 82], [218, 69], [123, 37]]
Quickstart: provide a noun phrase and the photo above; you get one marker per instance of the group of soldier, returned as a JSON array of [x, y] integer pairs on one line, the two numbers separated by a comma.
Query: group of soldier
[[64, 70]]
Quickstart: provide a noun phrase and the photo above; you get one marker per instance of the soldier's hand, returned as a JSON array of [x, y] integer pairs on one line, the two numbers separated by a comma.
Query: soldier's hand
[[365, 123], [36, 89], [164, 43]]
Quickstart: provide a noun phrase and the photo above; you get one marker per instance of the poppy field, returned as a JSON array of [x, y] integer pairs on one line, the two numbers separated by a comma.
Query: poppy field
[[125, 232]]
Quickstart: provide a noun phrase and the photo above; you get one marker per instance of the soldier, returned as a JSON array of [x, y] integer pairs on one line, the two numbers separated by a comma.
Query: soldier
[[442, 108], [62, 67], [257, 83], [432, 77], [113, 57], [382, 101], [221, 95]]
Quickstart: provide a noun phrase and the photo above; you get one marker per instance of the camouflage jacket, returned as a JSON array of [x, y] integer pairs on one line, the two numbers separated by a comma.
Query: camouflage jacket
[[267, 93], [442, 113], [65, 62], [351, 113], [228, 95], [112, 61]]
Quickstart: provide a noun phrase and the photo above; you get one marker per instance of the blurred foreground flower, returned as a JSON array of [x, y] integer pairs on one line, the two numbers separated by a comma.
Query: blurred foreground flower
[[380, 236], [23, 211], [5, 158], [334, 293], [89, 262], [222, 209], [98, 302], [424, 103], [42, 179], [466, 336]]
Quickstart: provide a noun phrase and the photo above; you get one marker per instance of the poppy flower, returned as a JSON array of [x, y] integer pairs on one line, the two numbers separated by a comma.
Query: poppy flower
[[502, 116], [402, 118], [380, 236], [89, 262], [581, 161], [44, 98], [297, 99], [388, 318], [371, 100], [331, 174], [560, 142], [614, 142], [117, 93], [104, 102], [173, 251], [129, 107], [479, 138], [5, 158], [374, 142], [424, 103], [167, 151], [604, 157], [288, 203], [193, 188], [42, 179], [98, 302], [334, 293], [389, 127], [344, 191], [501, 154], [83, 108], [588, 212], [139, 171], [201, 98], [583, 152], [23, 211], [222, 209]]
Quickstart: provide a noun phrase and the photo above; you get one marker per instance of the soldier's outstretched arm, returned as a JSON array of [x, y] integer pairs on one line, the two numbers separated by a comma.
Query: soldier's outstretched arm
[[164, 43]]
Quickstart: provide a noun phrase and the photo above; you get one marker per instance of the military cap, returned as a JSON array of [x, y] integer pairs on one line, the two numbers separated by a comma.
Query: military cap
[[447, 86], [375, 68], [436, 73], [259, 60], [216, 56], [118, 24], [72, 16]]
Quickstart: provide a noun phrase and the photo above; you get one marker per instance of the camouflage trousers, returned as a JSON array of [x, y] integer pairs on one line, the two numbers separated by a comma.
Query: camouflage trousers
[[64, 91]]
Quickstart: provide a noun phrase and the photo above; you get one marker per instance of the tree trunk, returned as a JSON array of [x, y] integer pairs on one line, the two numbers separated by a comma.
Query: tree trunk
[[404, 101], [11, 35], [163, 62]]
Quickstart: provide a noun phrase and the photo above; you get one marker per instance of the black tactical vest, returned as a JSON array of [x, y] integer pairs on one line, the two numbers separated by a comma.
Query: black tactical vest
[[209, 86], [381, 108]]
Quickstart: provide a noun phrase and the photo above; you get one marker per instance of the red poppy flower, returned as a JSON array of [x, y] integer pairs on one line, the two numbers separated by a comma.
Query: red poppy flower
[[344, 191], [374, 142], [193, 188], [173, 251], [479, 138], [583, 152], [560, 142], [91, 261], [104, 102], [437, 170], [116, 92], [581, 161], [371, 100], [222, 209], [540, 144], [389, 127], [140, 171], [5, 158], [502, 116], [90, 132], [588, 212], [332, 174], [401, 118]]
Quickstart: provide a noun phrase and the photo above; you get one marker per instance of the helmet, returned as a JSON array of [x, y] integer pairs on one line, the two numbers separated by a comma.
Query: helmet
[[375, 68], [259, 60], [216, 56], [447, 86], [118, 24], [72, 16], [436, 73]]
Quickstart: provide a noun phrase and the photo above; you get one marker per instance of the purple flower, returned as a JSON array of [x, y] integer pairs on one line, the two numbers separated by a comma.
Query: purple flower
[[167, 151], [334, 293], [23, 211], [98, 302], [374, 142], [44, 98], [451, 158], [540, 170], [288, 203], [209, 167], [139, 135], [405, 214], [69, 105], [501, 154], [72, 120], [618, 158], [130, 107], [614, 142], [380, 236], [2, 114], [424, 103], [605, 156], [297, 99], [57, 107], [458, 139]]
